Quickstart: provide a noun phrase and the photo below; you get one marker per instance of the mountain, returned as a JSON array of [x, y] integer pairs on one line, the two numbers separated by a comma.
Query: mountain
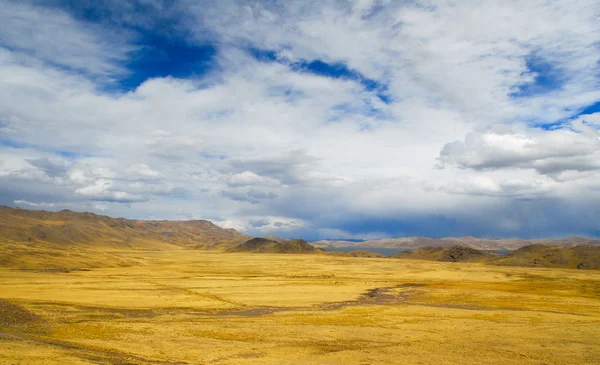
[[48, 239], [265, 245], [536, 255], [448, 254], [473, 242], [578, 257]]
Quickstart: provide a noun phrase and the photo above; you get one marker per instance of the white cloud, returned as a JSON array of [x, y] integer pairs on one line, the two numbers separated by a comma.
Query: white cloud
[[54, 37], [254, 140], [144, 171], [102, 189], [247, 178], [548, 152], [487, 186], [35, 205], [100, 207]]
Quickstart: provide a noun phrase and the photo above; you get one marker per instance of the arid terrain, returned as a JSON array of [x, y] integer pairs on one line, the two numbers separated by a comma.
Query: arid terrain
[[39, 239], [577, 257], [85, 302], [174, 307]]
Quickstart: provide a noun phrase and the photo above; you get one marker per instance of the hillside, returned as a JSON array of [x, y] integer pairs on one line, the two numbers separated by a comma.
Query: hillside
[[578, 257], [472, 242], [30, 238], [448, 254], [264, 245]]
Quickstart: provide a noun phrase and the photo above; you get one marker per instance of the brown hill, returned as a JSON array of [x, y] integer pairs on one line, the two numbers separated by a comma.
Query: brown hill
[[578, 257], [54, 239], [264, 245], [447, 254]]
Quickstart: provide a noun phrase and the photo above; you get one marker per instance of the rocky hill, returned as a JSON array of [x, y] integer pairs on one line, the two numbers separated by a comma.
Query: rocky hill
[[265, 245], [59, 238]]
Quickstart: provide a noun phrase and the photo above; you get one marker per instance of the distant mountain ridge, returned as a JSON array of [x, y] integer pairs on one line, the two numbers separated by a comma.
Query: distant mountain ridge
[[42, 239], [536, 255], [472, 242], [357, 253], [447, 254]]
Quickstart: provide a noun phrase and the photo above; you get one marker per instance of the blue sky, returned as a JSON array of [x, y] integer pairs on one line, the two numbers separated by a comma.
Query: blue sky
[[316, 119]]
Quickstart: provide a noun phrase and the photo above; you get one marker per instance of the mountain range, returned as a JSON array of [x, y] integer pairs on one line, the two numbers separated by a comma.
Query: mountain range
[[472, 242], [536, 255], [42, 238]]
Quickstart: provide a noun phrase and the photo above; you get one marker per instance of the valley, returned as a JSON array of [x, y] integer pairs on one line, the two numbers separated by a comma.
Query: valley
[[175, 307], [79, 288]]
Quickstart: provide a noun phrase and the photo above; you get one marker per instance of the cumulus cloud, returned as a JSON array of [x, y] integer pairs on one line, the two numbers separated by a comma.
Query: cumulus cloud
[[275, 225], [166, 145], [51, 168], [250, 178], [144, 171], [289, 167], [102, 189], [486, 186], [551, 153], [324, 118]]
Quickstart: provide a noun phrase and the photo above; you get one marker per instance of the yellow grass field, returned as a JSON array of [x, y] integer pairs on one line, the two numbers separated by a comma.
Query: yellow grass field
[[198, 307]]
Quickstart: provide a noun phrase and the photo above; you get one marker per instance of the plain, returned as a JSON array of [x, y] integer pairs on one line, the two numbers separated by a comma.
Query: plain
[[203, 307]]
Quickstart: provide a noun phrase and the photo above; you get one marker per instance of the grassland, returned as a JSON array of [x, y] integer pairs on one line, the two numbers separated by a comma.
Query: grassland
[[198, 307]]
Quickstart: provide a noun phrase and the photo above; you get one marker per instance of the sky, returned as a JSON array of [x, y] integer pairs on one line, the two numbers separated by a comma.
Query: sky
[[356, 119]]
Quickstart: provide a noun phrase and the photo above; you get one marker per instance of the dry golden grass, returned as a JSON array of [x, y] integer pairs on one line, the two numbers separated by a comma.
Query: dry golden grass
[[190, 307], [37, 239]]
